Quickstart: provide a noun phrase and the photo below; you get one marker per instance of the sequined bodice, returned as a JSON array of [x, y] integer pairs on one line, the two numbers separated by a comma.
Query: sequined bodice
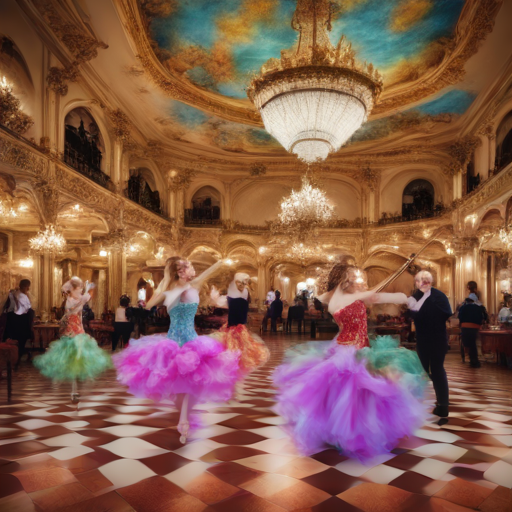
[[182, 322], [352, 321]]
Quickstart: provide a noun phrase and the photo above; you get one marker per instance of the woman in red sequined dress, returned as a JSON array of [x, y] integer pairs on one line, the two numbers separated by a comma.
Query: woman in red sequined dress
[[345, 394]]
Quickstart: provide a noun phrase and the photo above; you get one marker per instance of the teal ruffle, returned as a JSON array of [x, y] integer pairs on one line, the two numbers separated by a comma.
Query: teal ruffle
[[78, 358]]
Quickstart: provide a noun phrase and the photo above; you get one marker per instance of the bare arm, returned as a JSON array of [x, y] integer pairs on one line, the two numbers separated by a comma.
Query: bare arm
[[159, 295], [199, 280]]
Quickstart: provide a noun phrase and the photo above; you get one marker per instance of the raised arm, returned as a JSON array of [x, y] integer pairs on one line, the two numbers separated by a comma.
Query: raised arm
[[158, 296], [199, 280]]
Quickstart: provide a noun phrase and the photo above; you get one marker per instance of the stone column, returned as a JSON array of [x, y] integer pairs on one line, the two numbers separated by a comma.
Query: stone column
[[482, 159], [117, 277], [47, 262], [262, 281], [467, 266], [116, 173]]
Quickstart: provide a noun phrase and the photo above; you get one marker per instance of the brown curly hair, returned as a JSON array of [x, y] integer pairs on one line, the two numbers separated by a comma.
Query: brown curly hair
[[339, 274]]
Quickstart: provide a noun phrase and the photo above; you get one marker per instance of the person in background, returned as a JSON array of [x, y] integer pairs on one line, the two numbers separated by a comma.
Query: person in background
[[123, 324], [20, 317], [472, 288], [504, 313], [275, 311], [430, 309], [471, 317], [271, 296], [304, 299]]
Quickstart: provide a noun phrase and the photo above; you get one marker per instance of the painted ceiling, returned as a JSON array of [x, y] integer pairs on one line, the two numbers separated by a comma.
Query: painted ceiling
[[217, 46]]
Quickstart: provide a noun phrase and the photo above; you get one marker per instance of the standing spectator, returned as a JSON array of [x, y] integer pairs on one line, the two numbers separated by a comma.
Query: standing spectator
[[275, 311], [123, 324], [20, 317], [471, 317], [430, 309], [271, 296]]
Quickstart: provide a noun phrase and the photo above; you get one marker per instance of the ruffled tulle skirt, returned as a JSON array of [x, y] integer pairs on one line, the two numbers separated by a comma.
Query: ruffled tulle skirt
[[357, 401], [252, 348], [157, 367], [77, 357]]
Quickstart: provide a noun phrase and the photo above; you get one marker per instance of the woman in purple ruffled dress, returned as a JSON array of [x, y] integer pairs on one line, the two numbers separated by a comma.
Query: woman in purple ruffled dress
[[358, 398]]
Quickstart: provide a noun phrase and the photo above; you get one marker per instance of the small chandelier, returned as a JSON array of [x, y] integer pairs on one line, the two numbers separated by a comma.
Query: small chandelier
[[48, 241], [505, 235], [304, 252], [303, 211], [316, 96]]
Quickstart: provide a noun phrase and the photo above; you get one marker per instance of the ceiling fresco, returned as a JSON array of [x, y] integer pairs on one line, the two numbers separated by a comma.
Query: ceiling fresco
[[220, 45], [190, 124], [447, 107]]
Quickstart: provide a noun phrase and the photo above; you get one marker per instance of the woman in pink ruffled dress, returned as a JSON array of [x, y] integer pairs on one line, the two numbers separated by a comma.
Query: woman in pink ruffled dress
[[180, 366]]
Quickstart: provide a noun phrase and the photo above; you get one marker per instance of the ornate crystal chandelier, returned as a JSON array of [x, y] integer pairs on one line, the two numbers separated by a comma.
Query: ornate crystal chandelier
[[316, 96], [49, 241], [303, 211]]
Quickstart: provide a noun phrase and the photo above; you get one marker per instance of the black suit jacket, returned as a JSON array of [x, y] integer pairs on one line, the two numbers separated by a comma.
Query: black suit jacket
[[430, 320]]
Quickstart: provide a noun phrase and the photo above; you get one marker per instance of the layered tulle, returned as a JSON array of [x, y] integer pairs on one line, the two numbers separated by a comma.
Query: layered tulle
[[251, 347], [77, 357], [330, 397], [386, 357], [157, 367]]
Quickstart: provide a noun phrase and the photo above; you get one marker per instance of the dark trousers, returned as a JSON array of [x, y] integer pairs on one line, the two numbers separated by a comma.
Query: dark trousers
[[273, 323], [18, 328], [121, 329], [432, 359], [468, 336]]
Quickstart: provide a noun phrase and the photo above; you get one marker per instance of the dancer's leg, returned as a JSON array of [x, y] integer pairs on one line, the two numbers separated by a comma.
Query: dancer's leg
[[183, 424], [74, 391]]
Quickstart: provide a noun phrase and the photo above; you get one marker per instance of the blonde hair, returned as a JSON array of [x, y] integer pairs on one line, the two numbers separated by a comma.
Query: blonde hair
[[74, 283]]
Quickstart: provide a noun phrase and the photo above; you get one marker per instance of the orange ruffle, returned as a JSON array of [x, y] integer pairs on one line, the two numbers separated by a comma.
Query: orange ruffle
[[253, 350]]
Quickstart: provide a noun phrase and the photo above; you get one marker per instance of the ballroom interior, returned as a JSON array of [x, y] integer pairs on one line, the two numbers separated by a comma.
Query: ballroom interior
[[132, 131]]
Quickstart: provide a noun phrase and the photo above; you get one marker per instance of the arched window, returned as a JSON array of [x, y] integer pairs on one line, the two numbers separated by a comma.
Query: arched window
[[418, 200], [142, 189], [504, 143], [84, 147], [205, 207]]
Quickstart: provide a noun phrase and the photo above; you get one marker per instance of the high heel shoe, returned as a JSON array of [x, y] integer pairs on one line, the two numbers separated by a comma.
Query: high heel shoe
[[183, 430]]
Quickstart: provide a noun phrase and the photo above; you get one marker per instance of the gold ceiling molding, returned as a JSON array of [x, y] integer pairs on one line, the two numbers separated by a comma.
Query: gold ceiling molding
[[475, 23], [460, 153], [70, 30]]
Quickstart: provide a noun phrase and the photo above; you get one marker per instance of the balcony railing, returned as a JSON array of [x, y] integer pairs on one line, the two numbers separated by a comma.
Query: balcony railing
[[203, 216], [78, 162]]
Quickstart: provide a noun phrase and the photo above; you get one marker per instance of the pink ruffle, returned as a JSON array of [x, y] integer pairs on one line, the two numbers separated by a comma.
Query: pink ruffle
[[157, 367]]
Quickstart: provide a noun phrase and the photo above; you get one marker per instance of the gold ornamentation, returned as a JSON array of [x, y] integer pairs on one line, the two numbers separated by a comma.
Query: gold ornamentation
[[179, 180], [11, 114], [57, 78], [257, 169], [121, 124], [460, 153]]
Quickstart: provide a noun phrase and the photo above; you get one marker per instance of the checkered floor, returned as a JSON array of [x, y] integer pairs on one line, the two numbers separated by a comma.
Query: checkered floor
[[114, 452]]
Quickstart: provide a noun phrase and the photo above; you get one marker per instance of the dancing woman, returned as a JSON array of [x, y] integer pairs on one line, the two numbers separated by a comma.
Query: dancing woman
[[180, 366], [76, 355], [235, 335], [358, 399]]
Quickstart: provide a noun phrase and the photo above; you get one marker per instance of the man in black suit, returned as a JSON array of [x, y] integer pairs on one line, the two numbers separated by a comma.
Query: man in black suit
[[430, 309], [275, 311]]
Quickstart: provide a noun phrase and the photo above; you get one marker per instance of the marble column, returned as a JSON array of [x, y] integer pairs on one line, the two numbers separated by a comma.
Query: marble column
[[262, 282], [116, 173], [46, 285], [116, 277]]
